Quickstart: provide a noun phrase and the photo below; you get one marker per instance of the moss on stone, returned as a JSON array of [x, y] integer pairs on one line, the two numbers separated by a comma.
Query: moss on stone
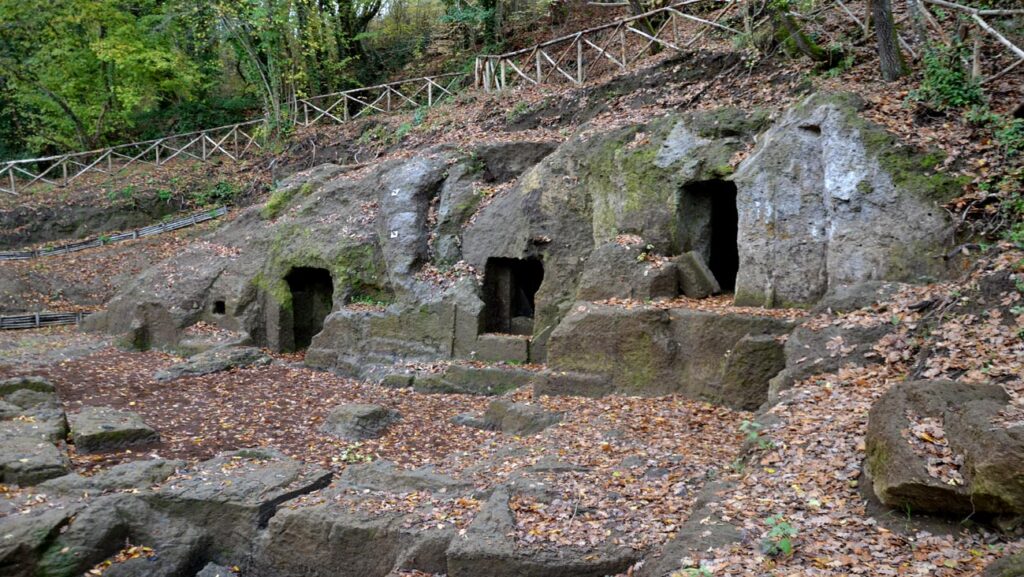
[[281, 197]]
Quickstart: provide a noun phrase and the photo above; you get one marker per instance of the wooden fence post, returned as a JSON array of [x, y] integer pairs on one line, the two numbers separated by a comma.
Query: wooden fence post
[[579, 59]]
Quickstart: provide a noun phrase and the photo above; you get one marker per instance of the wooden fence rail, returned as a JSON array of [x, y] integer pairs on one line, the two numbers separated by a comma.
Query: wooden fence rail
[[163, 227], [38, 320], [233, 141], [617, 45]]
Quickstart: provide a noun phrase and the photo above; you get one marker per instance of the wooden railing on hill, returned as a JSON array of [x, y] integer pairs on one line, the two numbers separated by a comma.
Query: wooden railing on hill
[[617, 45], [574, 58], [143, 232], [232, 141]]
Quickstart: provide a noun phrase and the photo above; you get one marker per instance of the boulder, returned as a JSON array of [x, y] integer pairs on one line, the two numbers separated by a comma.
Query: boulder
[[28, 453], [25, 535], [810, 351], [572, 384], [518, 418], [385, 476], [213, 361], [327, 539], [359, 421], [695, 278], [939, 447], [95, 429], [98, 532], [854, 296], [234, 495]]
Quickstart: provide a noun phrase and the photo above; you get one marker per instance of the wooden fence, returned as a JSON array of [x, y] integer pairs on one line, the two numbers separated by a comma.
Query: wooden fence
[[39, 320], [614, 46], [163, 227], [232, 141], [345, 106]]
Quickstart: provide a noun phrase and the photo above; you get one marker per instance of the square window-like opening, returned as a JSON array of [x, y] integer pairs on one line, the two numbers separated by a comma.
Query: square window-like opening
[[219, 308], [510, 288]]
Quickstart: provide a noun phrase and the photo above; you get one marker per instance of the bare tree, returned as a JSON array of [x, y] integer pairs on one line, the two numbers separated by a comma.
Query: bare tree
[[890, 57]]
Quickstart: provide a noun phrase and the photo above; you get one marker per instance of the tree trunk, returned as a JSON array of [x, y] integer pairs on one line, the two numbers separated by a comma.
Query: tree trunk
[[889, 56]]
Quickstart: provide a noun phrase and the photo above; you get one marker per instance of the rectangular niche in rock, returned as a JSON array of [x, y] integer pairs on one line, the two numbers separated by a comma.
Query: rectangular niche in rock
[[312, 300], [709, 223], [510, 285]]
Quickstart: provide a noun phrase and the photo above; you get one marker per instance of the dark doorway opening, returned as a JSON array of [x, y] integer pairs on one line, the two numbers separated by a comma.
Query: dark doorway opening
[[312, 300], [510, 285], [219, 308], [710, 225]]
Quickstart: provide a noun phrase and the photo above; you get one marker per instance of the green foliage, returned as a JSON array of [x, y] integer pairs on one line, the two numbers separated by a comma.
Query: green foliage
[[753, 433], [221, 192], [353, 454], [79, 72], [126, 193], [946, 84], [1010, 136], [516, 112], [779, 540], [843, 66]]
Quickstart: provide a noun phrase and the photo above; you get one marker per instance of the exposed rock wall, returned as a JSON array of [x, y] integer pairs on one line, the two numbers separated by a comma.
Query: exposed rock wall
[[824, 200], [827, 199]]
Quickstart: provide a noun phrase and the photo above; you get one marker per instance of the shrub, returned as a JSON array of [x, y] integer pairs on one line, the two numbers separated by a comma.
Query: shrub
[[779, 540], [946, 84]]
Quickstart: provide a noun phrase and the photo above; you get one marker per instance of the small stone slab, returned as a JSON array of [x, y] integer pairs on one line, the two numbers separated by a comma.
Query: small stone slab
[[213, 361], [103, 429], [470, 380], [130, 475], [519, 418], [28, 460], [695, 278], [31, 383], [397, 381], [359, 421]]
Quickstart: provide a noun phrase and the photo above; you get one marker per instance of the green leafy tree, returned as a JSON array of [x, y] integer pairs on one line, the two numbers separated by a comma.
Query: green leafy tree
[[79, 71]]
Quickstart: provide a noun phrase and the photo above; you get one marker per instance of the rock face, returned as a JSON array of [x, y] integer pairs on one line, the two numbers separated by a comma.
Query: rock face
[[724, 358], [938, 447], [410, 263], [488, 548], [617, 270], [96, 429], [214, 360], [470, 380], [234, 495], [826, 199], [359, 422]]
